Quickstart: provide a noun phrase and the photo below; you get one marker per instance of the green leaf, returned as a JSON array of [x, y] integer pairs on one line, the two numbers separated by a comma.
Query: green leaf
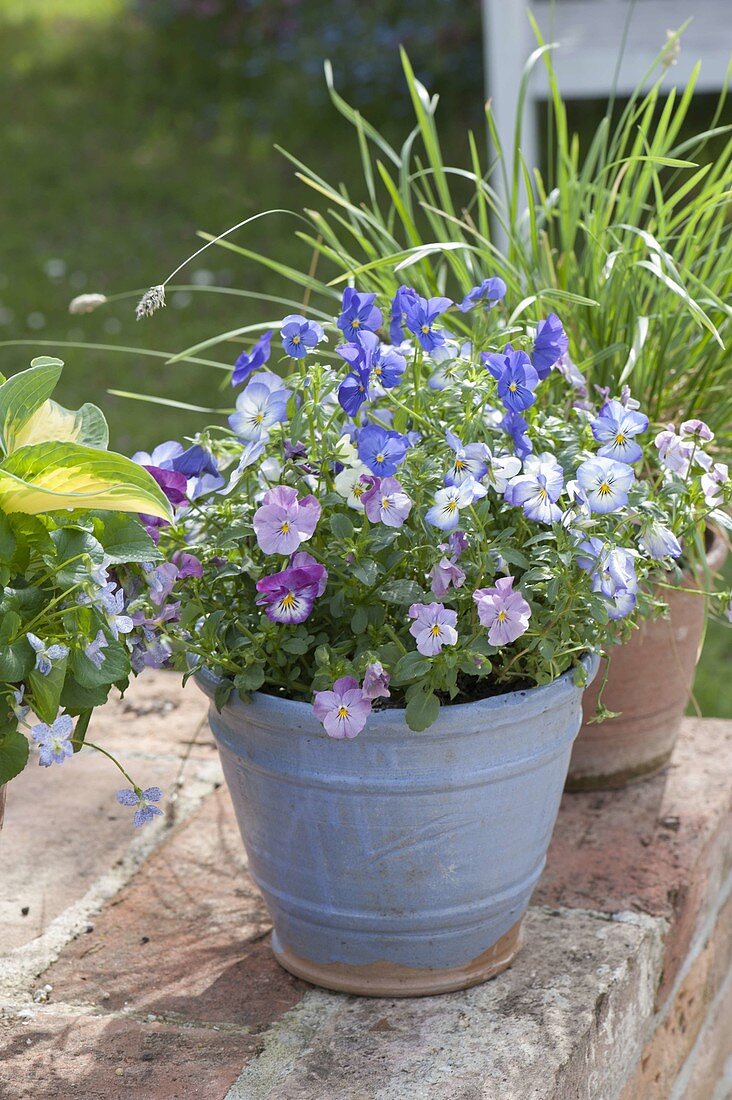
[[402, 592], [48, 477], [23, 394], [80, 729], [422, 710], [46, 690], [296, 645], [125, 539], [251, 679], [77, 552], [341, 526], [14, 750], [412, 666], [16, 661], [359, 620], [10, 624], [366, 571], [223, 690], [75, 699], [8, 541], [115, 665]]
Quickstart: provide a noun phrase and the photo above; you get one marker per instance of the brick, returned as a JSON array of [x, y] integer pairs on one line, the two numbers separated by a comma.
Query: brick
[[57, 1057], [706, 1073], [65, 822], [661, 847], [684, 1018], [186, 938]]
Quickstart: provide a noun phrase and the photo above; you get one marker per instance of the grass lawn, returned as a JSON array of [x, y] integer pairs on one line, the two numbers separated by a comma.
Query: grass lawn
[[122, 136]]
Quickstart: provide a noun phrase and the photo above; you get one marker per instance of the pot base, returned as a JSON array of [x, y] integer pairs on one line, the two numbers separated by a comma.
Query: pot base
[[384, 979], [613, 781]]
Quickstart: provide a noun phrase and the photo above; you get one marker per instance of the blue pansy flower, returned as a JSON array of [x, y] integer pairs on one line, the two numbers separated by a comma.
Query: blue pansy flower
[[54, 740], [538, 488], [659, 541], [380, 449], [258, 408], [354, 389], [299, 336], [421, 314], [550, 344], [517, 427], [46, 655], [469, 461], [359, 314], [489, 291], [404, 296], [606, 483], [516, 377], [612, 569], [252, 360], [615, 428]]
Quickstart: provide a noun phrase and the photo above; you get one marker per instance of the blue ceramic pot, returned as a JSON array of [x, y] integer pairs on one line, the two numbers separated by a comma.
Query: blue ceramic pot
[[398, 863]]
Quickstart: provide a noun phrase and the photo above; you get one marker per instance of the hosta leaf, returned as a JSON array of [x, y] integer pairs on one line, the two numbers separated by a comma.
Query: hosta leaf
[[23, 394], [53, 422], [49, 477]]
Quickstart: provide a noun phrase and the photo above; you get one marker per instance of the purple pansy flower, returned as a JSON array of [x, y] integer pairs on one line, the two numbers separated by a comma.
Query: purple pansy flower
[[504, 611], [386, 502], [142, 800], [550, 345], [380, 449], [250, 361], [359, 314], [713, 482], [457, 544], [404, 296], [517, 379], [696, 429], [188, 565], [289, 596], [376, 681], [421, 314], [95, 650], [299, 336], [53, 740], [344, 710], [615, 428], [433, 627], [161, 580], [538, 488], [489, 291], [469, 461], [612, 570], [606, 483], [283, 521], [445, 512], [444, 574], [46, 655], [675, 453]]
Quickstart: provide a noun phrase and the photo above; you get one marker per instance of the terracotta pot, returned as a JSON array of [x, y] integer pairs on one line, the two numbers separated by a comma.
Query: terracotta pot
[[2, 804], [650, 682]]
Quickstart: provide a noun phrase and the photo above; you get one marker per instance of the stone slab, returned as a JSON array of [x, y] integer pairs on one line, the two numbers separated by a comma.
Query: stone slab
[[563, 1022], [662, 846], [185, 939], [161, 736]]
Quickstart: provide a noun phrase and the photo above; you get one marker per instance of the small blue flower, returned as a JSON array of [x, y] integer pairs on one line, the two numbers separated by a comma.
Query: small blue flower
[[381, 450], [606, 483], [421, 314], [252, 360], [299, 336], [538, 488], [354, 390], [53, 741], [516, 426], [359, 314], [550, 345], [469, 461], [516, 377], [489, 291], [142, 800], [612, 569], [615, 428], [18, 707], [659, 542], [405, 296], [46, 654], [95, 650], [112, 602]]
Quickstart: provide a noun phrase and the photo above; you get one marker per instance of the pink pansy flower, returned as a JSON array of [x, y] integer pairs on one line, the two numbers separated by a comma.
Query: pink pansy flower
[[376, 681], [344, 710], [289, 596], [434, 626], [283, 521], [674, 451], [386, 502], [444, 574], [712, 483], [505, 612]]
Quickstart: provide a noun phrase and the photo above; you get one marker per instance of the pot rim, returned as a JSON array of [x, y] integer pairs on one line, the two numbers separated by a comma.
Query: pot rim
[[274, 711]]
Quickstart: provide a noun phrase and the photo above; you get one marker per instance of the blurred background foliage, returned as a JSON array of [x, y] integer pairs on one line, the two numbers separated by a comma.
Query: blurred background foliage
[[128, 125]]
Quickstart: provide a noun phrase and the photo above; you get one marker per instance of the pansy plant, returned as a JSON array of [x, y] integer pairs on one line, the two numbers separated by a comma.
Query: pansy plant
[[418, 505]]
